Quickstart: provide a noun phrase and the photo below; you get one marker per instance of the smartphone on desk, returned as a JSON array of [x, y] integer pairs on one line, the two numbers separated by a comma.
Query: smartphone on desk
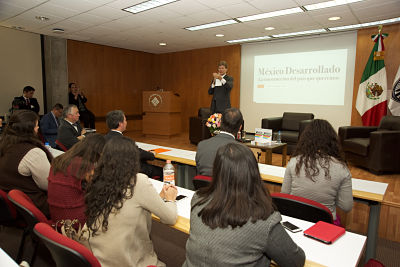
[[180, 197], [291, 227]]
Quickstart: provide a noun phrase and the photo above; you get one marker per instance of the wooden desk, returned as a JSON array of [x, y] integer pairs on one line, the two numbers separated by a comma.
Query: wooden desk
[[267, 149], [368, 192], [317, 254]]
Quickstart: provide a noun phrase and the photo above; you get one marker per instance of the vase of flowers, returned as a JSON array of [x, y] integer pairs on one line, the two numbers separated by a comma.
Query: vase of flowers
[[213, 123]]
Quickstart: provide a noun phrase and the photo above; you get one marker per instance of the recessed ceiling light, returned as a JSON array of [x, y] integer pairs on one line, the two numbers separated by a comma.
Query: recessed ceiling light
[[330, 4], [298, 33], [271, 14], [58, 30], [219, 35], [42, 18], [368, 24], [163, 44], [269, 28], [211, 25], [147, 5], [249, 39], [334, 18]]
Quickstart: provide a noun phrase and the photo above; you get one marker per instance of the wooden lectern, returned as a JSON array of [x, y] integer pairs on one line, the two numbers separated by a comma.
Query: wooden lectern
[[162, 113]]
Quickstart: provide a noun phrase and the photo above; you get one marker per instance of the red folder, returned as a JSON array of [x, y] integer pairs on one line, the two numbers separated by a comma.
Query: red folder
[[324, 232]]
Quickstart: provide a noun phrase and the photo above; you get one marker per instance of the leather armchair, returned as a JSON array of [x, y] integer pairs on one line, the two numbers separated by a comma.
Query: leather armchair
[[374, 148], [291, 125], [197, 126]]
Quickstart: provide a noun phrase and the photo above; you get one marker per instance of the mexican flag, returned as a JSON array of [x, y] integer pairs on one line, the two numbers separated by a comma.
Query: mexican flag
[[394, 102], [372, 92]]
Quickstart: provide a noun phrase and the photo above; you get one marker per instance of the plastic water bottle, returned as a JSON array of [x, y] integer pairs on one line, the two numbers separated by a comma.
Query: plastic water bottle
[[278, 137], [169, 173], [47, 145]]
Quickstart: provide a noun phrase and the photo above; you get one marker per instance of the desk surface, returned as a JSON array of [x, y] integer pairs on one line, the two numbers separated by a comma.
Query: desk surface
[[362, 189], [317, 254], [6, 260]]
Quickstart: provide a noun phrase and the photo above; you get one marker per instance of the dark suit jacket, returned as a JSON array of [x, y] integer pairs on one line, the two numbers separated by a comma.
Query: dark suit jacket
[[72, 101], [144, 155], [206, 151], [49, 128], [67, 134], [33, 104], [221, 96]]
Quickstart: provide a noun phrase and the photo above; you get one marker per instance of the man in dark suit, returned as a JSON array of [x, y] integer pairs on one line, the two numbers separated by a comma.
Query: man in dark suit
[[220, 88], [49, 124], [70, 131], [77, 98], [26, 101], [231, 123], [116, 122]]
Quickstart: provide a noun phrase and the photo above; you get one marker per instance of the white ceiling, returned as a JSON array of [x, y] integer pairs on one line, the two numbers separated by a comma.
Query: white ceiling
[[103, 21]]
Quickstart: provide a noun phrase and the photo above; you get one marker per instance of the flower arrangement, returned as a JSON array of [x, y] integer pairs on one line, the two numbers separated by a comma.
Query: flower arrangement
[[213, 123]]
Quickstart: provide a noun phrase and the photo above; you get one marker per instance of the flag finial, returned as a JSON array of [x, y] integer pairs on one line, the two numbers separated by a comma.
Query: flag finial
[[380, 28]]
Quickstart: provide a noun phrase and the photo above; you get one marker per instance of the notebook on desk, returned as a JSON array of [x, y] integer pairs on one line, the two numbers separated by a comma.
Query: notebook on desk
[[324, 232]]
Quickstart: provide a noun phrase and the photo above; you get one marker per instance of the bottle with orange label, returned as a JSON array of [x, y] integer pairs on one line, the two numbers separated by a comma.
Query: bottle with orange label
[[169, 173]]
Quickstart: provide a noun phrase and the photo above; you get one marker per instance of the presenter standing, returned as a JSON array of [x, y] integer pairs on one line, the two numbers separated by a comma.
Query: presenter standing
[[220, 88]]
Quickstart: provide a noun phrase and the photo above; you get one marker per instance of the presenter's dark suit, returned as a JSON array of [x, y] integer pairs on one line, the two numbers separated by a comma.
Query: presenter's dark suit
[[86, 116], [221, 95], [49, 128], [67, 134], [206, 151], [33, 103], [148, 169]]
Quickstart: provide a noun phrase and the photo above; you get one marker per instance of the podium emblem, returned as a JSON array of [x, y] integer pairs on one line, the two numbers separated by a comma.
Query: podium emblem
[[155, 100]]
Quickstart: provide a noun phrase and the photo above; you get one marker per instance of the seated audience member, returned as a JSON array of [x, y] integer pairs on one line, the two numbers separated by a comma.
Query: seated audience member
[[77, 98], [26, 101], [231, 122], [116, 122], [49, 124], [119, 203], [24, 161], [317, 169], [70, 131], [233, 222], [69, 174]]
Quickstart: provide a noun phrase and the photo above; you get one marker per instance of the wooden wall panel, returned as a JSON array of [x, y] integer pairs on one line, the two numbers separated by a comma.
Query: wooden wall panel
[[363, 50], [189, 73], [112, 78]]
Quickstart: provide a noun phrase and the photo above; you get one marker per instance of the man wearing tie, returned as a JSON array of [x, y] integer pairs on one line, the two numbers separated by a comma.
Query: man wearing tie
[[49, 124], [220, 88], [27, 101], [70, 131]]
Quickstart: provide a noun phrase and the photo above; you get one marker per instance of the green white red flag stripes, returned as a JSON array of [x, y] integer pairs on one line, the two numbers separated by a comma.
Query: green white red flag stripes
[[372, 93], [394, 102]]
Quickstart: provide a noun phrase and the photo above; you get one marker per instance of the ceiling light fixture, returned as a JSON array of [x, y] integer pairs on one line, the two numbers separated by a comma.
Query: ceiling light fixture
[[334, 18], [163, 44], [58, 30], [211, 25], [271, 14], [298, 33], [42, 18], [249, 39], [362, 25], [219, 35], [147, 5], [329, 4], [269, 28]]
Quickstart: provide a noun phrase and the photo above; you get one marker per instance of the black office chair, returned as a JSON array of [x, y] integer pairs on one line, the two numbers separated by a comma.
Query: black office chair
[[200, 181]]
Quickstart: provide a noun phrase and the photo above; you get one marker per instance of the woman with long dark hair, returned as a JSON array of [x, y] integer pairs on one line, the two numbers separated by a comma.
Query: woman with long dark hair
[[69, 175], [317, 169], [119, 204], [233, 222], [24, 160]]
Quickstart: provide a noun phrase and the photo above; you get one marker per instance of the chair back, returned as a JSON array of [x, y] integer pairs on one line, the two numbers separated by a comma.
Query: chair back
[[374, 263], [389, 123], [200, 181], [66, 252], [26, 208], [301, 208], [61, 146], [291, 120], [8, 212]]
